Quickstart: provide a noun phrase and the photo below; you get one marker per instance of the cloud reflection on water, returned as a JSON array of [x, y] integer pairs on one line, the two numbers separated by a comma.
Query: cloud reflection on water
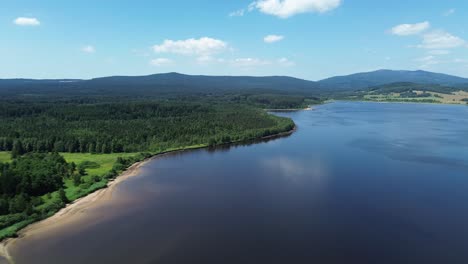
[[298, 171]]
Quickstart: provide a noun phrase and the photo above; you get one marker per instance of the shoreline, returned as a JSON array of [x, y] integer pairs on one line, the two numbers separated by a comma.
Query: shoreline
[[309, 108], [72, 210], [400, 102]]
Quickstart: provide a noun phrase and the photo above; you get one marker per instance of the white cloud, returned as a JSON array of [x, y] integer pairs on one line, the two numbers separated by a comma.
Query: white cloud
[[441, 40], [273, 38], [88, 49], [237, 13], [427, 61], [27, 21], [288, 8], [203, 46], [256, 62], [286, 62], [410, 29], [458, 60], [249, 62], [449, 12], [159, 62], [204, 60], [439, 52]]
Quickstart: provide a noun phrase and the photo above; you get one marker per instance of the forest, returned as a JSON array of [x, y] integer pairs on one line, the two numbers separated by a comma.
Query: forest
[[128, 127], [64, 148]]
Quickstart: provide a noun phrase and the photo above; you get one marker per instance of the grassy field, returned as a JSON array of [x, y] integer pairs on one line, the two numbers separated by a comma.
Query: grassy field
[[5, 156], [452, 98], [105, 161], [93, 180]]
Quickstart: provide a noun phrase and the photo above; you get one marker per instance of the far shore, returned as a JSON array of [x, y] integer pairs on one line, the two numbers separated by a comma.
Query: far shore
[[309, 108], [74, 211], [407, 102]]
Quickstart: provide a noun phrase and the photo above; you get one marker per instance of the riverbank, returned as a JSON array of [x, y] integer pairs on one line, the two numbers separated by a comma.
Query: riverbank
[[309, 108], [73, 211]]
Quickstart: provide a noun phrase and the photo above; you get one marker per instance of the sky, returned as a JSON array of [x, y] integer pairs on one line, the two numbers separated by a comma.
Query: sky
[[309, 39]]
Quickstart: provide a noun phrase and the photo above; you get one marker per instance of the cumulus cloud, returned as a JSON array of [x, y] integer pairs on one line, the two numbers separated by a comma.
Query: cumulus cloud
[[410, 29], [27, 21], [201, 47], [441, 40], [273, 38], [288, 8], [88, 49], [159, 62]]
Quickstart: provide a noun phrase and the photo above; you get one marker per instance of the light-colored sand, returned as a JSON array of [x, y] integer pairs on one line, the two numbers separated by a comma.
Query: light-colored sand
[[71, 212], [74, 212]]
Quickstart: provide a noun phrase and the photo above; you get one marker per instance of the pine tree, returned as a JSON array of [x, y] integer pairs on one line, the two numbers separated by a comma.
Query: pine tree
[[63, 196], [17, 150]]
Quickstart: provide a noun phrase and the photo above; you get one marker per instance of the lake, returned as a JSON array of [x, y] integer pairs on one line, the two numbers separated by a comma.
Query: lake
[[357, 183]]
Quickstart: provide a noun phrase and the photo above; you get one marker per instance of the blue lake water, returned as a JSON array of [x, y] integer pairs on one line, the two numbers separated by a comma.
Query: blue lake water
[[357, 183]]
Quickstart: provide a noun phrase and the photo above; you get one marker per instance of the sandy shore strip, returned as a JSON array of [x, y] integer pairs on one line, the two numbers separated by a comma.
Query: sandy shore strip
[[74, 211]]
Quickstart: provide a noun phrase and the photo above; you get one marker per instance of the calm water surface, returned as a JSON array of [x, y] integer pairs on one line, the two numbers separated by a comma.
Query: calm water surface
[[358, 183]]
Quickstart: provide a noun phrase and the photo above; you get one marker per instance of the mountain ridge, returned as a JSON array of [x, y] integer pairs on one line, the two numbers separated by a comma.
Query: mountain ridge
[[173, 82]]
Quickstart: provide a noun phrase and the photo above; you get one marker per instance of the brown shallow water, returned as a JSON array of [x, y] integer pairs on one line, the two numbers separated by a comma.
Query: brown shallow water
[[357, 183]]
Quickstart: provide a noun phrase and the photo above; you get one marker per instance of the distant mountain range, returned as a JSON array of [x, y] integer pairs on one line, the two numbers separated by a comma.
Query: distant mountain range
[[380, 77], [175, 83]]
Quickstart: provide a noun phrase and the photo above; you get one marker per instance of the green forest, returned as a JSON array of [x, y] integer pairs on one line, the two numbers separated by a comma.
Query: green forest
[[62, 149]]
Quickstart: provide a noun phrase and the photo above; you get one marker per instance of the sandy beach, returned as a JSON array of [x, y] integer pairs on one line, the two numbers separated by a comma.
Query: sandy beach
[[75, 211], [71, 213]]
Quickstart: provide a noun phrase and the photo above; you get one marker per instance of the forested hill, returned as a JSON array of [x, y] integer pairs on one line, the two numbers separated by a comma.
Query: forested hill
[[381, 77], [176, 84], [158, 85]]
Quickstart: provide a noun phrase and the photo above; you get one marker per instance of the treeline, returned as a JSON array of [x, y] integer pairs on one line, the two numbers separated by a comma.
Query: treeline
[[25, 180], [409, 87], [128, 127], [32, 187]]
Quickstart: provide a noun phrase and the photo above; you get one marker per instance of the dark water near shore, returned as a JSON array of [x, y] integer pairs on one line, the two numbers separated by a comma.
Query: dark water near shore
[[357, 183]]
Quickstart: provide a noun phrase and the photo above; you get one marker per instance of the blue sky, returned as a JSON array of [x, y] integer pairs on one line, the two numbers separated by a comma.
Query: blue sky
[[311, 39]]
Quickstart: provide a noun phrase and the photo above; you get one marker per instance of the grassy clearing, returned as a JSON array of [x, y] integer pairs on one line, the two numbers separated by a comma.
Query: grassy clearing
[[5, 156], [99, 170], [442, 98], [105, 161], [94, 180]]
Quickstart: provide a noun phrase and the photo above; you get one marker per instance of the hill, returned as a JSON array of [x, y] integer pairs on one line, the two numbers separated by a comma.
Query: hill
[[369, 79], [176, 84], [159, 85]]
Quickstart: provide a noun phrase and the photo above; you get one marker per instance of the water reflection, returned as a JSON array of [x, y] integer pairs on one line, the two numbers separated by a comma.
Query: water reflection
[[358, 183]]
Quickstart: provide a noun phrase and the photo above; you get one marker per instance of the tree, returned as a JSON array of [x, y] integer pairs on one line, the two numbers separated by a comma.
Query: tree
[[18, 204], [63, 196], [77, 179], [18, 149], [82, 170]]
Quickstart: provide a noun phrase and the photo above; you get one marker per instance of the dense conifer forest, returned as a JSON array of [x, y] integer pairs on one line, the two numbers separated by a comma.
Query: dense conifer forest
[[37, 132]]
